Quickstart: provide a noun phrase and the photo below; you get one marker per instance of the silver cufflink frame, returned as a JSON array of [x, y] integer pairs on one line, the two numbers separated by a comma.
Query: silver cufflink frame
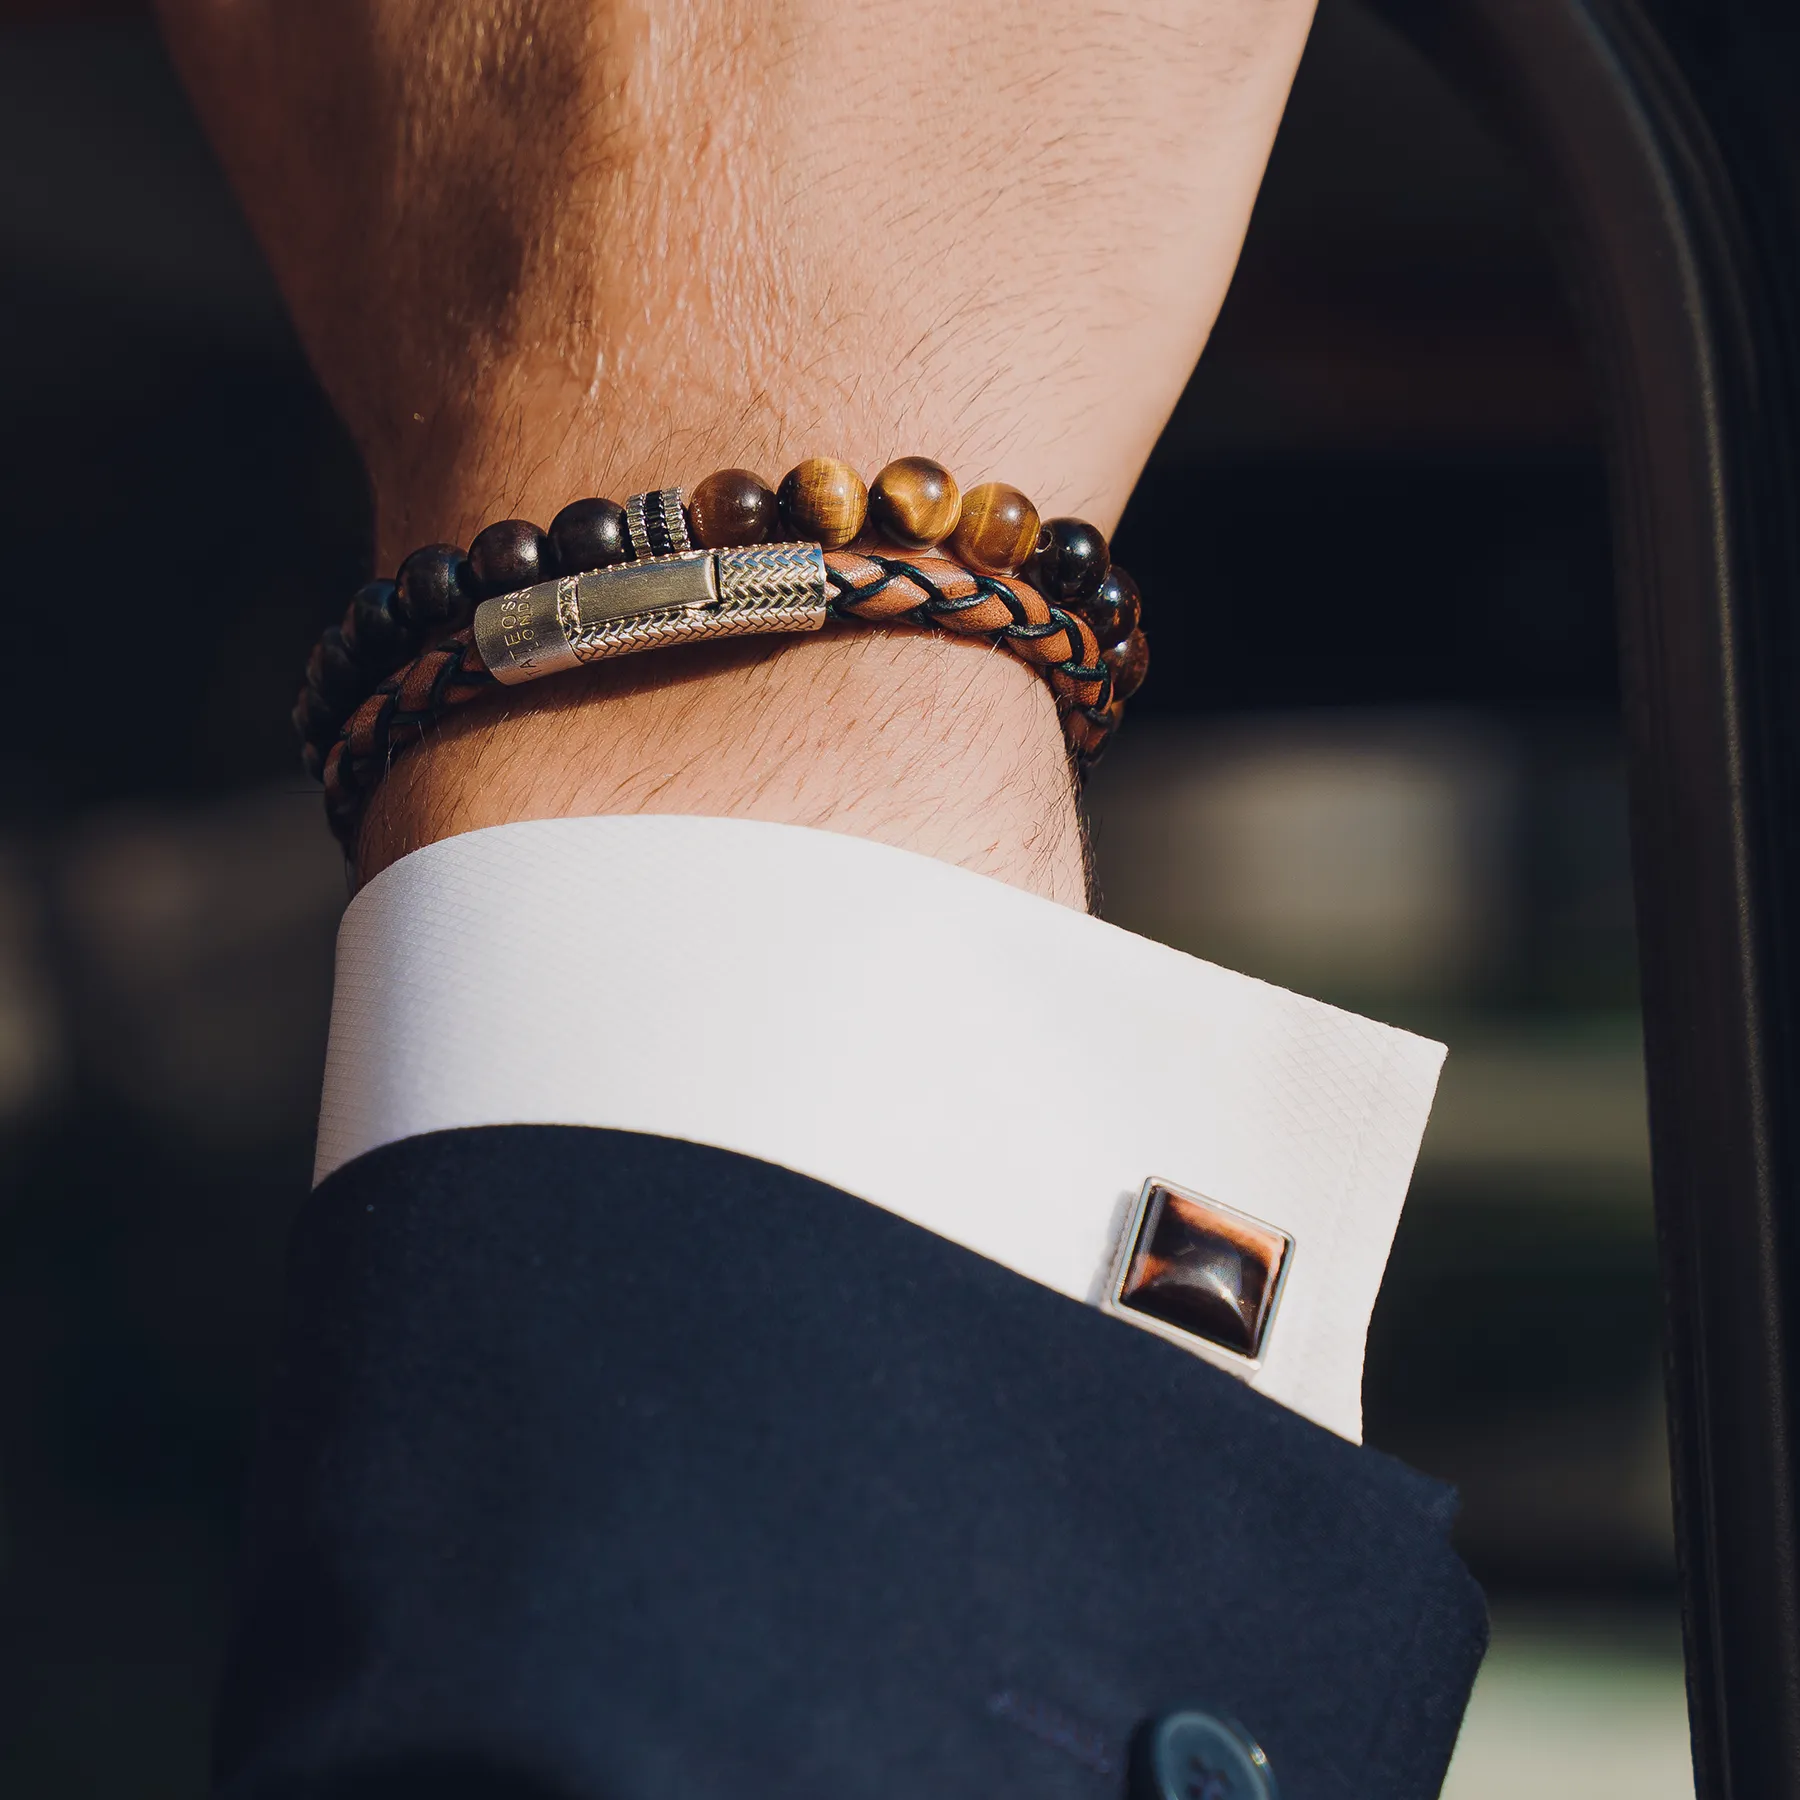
[[1233, 1227]]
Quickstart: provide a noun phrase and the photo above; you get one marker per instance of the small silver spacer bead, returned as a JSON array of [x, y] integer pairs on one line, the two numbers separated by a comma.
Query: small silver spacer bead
[[657, 524]]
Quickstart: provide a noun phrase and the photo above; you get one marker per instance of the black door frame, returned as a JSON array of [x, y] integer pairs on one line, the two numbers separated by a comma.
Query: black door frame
[[1679, 240]]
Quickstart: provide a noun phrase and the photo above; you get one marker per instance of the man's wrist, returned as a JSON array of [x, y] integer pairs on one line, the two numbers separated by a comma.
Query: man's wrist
[[927, 744]]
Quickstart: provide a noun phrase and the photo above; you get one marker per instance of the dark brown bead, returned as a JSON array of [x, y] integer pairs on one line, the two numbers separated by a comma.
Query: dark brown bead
[[589, 534], [823, 501], [729, 508], [433, 588], [1070, 562], [316, 720], [1130, 663], [312, 760], [914, 503], [333, 671], [997, 531], [508, 556], [1115, 610], [373, 630]]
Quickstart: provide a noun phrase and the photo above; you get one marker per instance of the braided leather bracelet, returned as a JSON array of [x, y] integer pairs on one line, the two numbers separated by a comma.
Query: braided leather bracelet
[[621, 585], [557, 625]]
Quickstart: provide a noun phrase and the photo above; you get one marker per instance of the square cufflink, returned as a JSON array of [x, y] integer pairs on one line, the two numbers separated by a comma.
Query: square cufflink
[[1204, 1275]]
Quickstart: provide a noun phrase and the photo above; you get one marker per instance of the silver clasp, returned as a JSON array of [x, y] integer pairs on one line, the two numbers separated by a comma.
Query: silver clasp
[[562, 624]]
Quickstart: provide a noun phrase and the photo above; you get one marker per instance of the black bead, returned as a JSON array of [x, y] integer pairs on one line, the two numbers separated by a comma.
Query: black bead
[[589, 534], [1070, 562], [333, 671], [511, 555], [373, 631], [1115, 609], [316, 720], [433, 588]]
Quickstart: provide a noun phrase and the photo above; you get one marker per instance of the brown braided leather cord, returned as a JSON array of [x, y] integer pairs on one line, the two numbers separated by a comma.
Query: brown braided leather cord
[[928, 591], [400, 711], [932, 591]]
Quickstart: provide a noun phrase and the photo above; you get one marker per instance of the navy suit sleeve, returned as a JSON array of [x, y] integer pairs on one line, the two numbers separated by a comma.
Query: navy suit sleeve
[[606, 1465]]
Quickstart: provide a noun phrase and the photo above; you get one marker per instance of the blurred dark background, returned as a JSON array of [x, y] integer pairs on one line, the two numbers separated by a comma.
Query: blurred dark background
[[1378, 761]]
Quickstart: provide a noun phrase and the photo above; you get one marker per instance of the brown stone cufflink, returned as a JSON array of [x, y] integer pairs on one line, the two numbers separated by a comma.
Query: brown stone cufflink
[[1200, 1273]]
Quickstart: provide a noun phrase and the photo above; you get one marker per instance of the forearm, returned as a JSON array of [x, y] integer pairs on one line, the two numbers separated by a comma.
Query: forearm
[[561, 249], [687, 1381]]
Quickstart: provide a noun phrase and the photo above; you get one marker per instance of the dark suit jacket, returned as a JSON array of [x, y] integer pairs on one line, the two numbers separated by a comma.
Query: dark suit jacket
[[607, 1465]]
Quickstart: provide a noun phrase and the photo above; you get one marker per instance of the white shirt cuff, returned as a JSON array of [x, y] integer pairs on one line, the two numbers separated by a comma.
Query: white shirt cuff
[[994, 1067]]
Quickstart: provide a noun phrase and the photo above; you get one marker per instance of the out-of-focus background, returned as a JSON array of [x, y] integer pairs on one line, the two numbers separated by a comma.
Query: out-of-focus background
[[1378, 760]]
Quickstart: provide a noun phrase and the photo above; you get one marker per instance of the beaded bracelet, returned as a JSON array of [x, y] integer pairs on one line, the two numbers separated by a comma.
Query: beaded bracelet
[[608, 580]]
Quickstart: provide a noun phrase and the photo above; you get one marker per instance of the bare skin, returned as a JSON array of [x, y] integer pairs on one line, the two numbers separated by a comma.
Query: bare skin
[[546, 248]]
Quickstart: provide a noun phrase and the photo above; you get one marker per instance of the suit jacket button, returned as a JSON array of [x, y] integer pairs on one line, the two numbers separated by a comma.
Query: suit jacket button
[[1194, 1756]]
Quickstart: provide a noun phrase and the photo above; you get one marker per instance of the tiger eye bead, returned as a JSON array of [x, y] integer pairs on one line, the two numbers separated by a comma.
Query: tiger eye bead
[[432, 587], [914, 503], [1130, 663], [1115, 609], [589, 534], [1070, 562], [998, 529], [731, 508], [508, 556], [823, 501]]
